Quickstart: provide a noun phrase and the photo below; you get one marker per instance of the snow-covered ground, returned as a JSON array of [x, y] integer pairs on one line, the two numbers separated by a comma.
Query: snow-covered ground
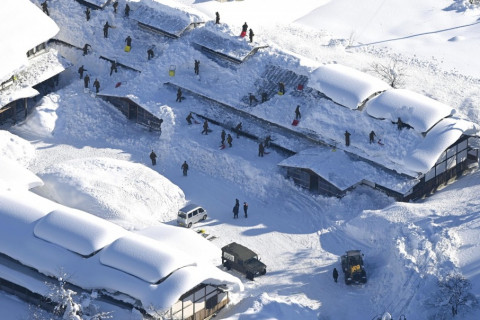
[[89, 155]]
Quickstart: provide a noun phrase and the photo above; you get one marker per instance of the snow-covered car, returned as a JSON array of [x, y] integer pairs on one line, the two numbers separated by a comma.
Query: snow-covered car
[[190, 214]]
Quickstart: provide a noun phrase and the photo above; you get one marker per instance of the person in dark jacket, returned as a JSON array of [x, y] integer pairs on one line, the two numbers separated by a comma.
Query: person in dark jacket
[[127, 10], [128, 40], [153, 157], [267, 141], [150, 53], [250, 35], [189, 118], [106, 26], [281, 87], [205, 127], [197, 67], [85, 48], [87, 14], [297, 113], [45, 8], [245, 209], [236, 209], [81, 70], [264, 97], [217, 18], [115, 6], [113, 67], [96, 84], [179, 95], [185, 168], [244, 30], [86, 81], [229, 140], [237, 129], [347, 138], [222, 135], [335, 274], [261, 149], [372, 136]]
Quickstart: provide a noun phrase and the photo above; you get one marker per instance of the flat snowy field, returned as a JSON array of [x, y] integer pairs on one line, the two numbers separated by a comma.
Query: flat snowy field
[[84, 146]]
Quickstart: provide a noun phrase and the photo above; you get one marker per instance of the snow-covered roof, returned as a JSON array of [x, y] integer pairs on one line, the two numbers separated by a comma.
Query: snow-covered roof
[[24, 215], [14, 174], [344, 85], [343, 171], [170, 17], [438, 139], [77, 231], [419, 111], [27, 27]]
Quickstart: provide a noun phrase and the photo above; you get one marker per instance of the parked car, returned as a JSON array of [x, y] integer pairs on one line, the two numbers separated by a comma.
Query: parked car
[[235, 256], [190, 214]]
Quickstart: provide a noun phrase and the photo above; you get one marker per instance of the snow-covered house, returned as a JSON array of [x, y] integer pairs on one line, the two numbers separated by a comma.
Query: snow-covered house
[[26, 62], [135, 269], [432, 148]]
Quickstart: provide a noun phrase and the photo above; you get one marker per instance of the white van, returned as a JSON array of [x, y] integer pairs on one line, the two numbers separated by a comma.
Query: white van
[[190, 214]]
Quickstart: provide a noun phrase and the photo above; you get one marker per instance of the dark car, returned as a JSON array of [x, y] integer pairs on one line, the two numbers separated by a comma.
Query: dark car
[[353, 269], [235, 256]]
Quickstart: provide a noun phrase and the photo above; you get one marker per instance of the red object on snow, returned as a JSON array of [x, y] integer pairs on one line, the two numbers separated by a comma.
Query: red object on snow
[[118, 84], [300, 87], [243, 34], [295, 122]]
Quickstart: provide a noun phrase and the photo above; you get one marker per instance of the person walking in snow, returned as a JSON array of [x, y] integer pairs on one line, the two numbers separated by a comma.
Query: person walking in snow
[[80, 71], [335, 274], [87, 14], [267, 141], [372, 136], [86, 81], [229, 140], [261, 149], [153, 157], [347, 138], [237, 129], [185, 168], [115, 6], [45, 8], [217, 18], [222, 135], [281, 87], [113, 67], [251, 34], [128, 40], [236, 209], [85, 49], [106, 26], [205, 127], [150, 53], [264, 97], [189, 118], [197, 67], [245, 209], [179, 95], [244, 30], [127, 10], [96, 84], [297, 113]]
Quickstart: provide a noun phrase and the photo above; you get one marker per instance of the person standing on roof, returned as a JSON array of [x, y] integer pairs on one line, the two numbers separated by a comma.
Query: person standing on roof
[[80, 71], [127, 10], [261, 149], [250, 35], [237, 129], [185, 168], [87, 14], [153, 157], [96, 84], [113, 67], [297, 113], [189, 118], [85, 49], [264, 96], [222, 135], [217, 18], [372, 136], [128, 40], [179, 95], [86, 81], [150, 53], [105, 29], [244, 30], [229, 140], [45, 7], [281, 87], [197, 67], [347, 138], [205, 127], [115, 6]]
